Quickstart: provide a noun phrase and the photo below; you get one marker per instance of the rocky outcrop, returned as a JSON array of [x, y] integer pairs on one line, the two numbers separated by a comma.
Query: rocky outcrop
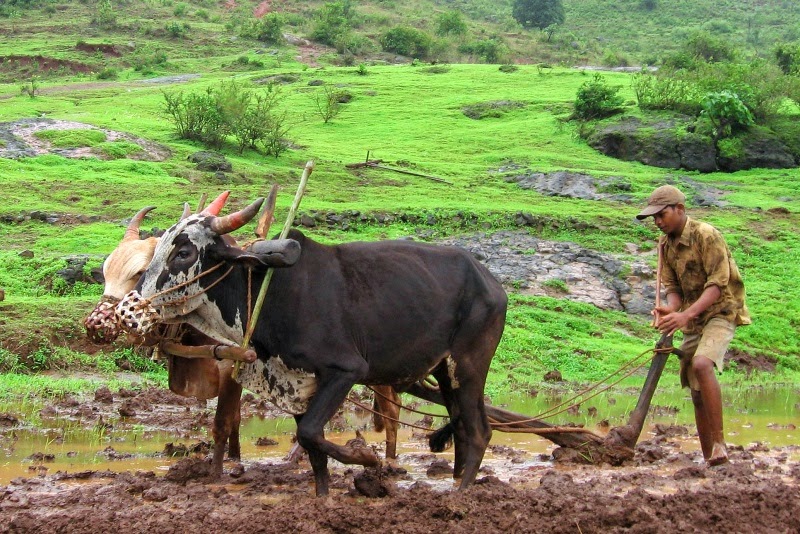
[[674, 144]]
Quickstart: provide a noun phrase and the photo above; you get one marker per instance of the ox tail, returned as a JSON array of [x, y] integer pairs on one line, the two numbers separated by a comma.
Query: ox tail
[[377, 418], [442, 439]]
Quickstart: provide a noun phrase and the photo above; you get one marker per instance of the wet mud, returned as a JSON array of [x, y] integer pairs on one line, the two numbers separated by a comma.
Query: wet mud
[[665, 488]]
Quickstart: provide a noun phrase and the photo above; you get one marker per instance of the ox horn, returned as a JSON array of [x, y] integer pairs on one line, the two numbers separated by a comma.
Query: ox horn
[[132, 232], [234, 221], [187, 210], [215, 207]]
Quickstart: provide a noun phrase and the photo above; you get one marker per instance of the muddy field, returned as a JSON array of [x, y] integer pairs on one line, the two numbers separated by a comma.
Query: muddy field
[[665, 489]]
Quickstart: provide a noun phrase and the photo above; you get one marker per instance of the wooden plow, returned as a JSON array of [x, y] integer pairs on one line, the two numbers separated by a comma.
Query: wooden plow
[[616, 447]]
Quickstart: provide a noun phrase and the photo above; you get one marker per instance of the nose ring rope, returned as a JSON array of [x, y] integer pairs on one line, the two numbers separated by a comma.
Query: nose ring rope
[[181, 300]]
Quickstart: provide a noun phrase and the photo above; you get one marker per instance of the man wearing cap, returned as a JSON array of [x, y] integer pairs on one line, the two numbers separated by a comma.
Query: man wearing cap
[[705, 300]]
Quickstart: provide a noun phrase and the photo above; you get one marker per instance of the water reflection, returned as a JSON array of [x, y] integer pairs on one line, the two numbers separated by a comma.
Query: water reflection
[[756, 414]]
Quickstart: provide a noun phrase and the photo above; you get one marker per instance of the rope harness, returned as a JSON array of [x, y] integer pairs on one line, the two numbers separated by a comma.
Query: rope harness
[[510, 426]]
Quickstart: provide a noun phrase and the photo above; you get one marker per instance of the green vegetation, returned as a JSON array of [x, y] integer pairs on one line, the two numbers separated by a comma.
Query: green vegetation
[[72, 138], [412, 116]]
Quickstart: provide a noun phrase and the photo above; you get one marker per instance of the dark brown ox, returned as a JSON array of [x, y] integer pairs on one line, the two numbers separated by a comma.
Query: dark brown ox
[[387, 313], [200, 378]]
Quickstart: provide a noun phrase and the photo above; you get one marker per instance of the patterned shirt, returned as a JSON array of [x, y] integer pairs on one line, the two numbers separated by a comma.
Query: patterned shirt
[[696, 260]]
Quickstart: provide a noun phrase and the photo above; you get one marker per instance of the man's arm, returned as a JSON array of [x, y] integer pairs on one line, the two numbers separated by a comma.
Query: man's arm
[[671, 320]]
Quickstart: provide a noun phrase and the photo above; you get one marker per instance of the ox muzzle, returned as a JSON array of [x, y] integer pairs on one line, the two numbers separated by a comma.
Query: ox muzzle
[[136, 315], [101, 324]]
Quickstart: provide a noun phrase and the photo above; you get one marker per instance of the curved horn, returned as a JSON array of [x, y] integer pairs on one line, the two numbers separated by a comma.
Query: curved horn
[[215, 207], [187, 210], [132, 232], [234, 221]]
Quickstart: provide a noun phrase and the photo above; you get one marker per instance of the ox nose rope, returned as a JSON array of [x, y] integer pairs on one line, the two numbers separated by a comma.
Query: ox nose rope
[[186, 283]]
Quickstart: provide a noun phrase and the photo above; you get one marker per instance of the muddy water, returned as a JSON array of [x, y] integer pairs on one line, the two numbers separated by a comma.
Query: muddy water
[[769, 416]]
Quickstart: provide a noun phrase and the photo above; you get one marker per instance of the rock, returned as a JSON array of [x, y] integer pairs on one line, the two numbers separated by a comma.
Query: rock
[[675, 144], [207, 160], [26, 254]]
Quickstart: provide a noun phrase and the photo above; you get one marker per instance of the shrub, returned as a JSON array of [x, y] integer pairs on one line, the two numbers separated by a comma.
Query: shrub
[[788, 57], [195, 116], [268, 29], [667, 92], [229, 110], [596, 99], [108, 73], [177, 30], [450, 23], [488, 50], [406, 41], [709, 48], [726, 112], [328, 102], [649, 5], [333, 22], [106, 16]]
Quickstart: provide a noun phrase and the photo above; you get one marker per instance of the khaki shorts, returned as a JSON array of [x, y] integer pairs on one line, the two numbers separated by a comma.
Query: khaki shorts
[[711, 343]]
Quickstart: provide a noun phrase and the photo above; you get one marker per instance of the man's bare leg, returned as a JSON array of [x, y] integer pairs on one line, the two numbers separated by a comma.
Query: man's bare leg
[[711, 409]]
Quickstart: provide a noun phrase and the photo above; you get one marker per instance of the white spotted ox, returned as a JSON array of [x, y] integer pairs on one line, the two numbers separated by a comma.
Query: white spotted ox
[[200, 378], [386, 313]]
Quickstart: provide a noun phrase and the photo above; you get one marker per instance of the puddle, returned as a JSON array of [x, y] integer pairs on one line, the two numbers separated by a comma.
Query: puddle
[[754, 415]]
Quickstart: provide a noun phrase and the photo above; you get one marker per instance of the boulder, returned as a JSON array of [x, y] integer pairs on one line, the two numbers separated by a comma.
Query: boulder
[[674, 144]]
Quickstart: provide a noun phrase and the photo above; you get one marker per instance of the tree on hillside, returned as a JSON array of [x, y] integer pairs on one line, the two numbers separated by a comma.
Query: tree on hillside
[[538, 13]]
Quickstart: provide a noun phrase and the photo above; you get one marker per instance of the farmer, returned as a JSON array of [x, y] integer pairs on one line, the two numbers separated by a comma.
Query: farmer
[[705, 300]]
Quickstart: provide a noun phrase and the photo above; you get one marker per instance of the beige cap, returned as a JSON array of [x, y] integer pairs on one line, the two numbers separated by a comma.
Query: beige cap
[[664, 196]]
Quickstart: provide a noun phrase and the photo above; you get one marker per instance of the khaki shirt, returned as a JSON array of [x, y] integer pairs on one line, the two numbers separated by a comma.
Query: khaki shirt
[[696, 260]]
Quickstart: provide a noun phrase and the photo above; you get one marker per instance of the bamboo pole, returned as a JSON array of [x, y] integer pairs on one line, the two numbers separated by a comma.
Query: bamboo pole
[[251, 325], [660, 261]]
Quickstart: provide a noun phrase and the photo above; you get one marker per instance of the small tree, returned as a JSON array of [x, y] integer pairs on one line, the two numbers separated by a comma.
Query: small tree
[[538, 13], [328, 103]]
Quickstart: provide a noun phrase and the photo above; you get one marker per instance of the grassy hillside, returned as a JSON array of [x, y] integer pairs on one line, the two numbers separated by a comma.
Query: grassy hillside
[[411, 115], [168, 35]]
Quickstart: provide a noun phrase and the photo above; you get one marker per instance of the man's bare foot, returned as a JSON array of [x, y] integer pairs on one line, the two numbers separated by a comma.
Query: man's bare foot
[[719, 455]]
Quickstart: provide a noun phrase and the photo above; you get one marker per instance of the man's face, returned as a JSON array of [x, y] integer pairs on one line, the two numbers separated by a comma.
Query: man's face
[[670, 220]]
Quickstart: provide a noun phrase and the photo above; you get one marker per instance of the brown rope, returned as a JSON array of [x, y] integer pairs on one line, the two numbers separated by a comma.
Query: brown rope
[[403, 406], [580, 395], [352, 400]]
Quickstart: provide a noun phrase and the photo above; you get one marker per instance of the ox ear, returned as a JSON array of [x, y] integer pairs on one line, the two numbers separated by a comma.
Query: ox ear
[[263, 254]]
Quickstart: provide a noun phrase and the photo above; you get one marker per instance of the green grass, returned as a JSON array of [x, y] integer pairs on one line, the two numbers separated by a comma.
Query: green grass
[[72, 138]]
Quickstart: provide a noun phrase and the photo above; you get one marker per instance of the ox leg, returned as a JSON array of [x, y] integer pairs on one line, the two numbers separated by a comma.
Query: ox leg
[[454, 411], [387, 403], [330, 394], [227, 420]]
